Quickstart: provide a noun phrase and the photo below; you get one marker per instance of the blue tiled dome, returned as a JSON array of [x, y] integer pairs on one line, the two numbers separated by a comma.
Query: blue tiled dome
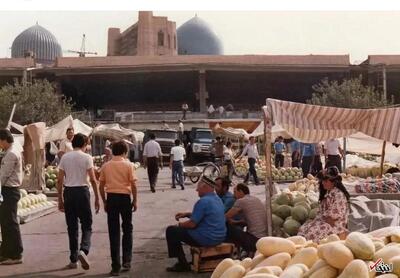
[[40, 41], [195, 37]]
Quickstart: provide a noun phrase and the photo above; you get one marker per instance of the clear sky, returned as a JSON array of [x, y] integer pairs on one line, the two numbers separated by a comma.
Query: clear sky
[[275, 33]]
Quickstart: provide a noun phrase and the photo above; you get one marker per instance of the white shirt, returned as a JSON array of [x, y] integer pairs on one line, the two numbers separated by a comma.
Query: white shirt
[[11, 168], [152, 149], [221, 109], [180, 127], [251, 151], [332, 147], [66, 146], [211, 109], [75, 164], [178, 153]]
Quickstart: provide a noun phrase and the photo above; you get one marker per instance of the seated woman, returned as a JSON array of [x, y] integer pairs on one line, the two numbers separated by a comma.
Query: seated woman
[[333, 209]]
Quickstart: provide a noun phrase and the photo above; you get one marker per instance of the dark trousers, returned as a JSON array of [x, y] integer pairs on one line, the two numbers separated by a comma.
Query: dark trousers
[[252, 170], [152, 170], [119, 205], [77, 207], [247, 241], [279, 159], [334, 160], [296, 159], [184, 114], [175, 236], [306, 164], [317, 165], [177, 172], [231, 168], [11, 246]]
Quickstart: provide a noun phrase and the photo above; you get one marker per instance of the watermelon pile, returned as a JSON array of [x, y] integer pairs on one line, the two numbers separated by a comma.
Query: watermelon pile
[[51, 175], [30, 203], [290, 210]]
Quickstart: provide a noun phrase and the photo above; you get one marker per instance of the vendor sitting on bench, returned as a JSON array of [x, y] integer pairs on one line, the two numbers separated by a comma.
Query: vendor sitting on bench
[[205, 227]]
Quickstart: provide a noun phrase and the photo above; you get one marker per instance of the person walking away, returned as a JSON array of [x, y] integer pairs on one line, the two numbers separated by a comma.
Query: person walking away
[[255, 218], [317, 165], [152, 155], [178, 154], [11, 248], [119, 195], [181, 130], [66, 144], [185, 108], [218, 149], [228, 159], [295, 151], [74, 198], [333, 154], [307, 158], [251, 151], [205, 227], [279, 147]]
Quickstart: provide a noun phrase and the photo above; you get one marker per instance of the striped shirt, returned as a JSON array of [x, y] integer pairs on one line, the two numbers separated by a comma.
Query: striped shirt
[[254, 214]]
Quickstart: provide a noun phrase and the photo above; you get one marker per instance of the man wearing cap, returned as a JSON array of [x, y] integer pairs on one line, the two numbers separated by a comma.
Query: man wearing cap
[[205, 227]]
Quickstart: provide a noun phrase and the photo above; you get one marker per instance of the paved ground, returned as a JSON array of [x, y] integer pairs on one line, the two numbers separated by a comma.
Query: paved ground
[[46, 243]]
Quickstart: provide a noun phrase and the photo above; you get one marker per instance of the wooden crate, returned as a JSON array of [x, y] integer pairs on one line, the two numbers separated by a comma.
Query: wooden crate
[[206, 259]]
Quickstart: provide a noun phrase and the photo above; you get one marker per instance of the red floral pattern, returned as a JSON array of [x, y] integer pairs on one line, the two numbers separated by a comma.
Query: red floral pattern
[[335, 206]]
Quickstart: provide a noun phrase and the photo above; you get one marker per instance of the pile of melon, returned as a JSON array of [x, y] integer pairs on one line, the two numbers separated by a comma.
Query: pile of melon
[[51, 175], [30, 203], [290, 210], [295, 257], [305, 185]]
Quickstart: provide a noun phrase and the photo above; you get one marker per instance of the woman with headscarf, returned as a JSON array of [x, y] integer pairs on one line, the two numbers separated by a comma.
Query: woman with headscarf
[[333, 208]]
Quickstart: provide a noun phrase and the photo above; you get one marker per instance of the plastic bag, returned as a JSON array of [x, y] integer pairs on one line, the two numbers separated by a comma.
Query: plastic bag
[[53, 149]]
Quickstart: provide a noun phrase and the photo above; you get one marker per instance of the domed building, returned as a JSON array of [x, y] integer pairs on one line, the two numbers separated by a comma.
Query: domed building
[[40, 42], [196, 37]]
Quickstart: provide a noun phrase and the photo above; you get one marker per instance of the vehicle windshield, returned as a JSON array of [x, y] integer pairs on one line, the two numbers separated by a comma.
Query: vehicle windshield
[[165, 134], [204, 135]]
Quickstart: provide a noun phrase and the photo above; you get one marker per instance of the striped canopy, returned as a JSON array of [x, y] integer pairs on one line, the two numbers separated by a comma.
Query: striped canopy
[[312, 123]]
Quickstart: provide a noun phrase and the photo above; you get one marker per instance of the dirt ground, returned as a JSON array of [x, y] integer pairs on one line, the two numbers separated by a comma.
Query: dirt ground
[[46, 241]]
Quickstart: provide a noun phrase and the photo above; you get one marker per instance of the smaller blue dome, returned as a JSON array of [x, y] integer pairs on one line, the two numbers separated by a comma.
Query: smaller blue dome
[[196, 37], [40, 41]]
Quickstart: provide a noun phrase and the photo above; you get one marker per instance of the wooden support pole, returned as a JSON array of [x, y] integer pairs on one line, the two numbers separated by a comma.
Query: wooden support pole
[[268, 177], [383, 156], [344, 154]]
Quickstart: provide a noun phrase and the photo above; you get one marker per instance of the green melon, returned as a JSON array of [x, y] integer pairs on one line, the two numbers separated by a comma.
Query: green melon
[[277, 222], [283, 211], [314, 205], [283, 199], [291, 227], [313, 213], [304, 204], [300, 213]]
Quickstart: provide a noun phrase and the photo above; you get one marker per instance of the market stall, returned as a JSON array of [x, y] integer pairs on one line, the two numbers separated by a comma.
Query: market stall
[[310, 124]]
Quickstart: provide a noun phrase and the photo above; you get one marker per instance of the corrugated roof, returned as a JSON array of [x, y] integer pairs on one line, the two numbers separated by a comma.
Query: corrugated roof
[[383, 59], [245, 60]]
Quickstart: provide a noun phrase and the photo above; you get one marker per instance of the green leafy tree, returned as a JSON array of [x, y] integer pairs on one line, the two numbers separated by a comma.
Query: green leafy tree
[[350, 93], [36, 102]]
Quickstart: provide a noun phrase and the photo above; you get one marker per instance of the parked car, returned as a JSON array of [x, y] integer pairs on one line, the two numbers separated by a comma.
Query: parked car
[[165, 137], [199, 145]]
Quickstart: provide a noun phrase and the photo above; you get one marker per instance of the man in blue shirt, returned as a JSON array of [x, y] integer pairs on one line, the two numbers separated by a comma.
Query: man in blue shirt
[[205, 227], [307, 155], [222, 190], [279, 148]]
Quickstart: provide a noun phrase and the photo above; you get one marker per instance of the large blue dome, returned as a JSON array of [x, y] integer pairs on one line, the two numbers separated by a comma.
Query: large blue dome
[[38, 40], [195, 37]]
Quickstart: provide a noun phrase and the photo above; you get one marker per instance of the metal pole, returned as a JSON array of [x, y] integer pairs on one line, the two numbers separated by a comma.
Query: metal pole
[[11, 116], [268, 176]]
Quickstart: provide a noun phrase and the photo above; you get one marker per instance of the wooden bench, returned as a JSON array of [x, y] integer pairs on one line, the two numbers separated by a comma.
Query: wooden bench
[[206, 259]]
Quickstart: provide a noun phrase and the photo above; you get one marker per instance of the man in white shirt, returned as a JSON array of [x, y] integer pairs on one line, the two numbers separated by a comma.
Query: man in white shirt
[[181, 130], [152, 154], [74, 198], [333, 154], [66, 144], [185, 108], [178, 154], [250, 150]]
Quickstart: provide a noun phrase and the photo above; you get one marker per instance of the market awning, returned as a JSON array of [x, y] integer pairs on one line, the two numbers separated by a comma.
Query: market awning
[[58, 131], [312, 123], [276, 131], [115, 131]]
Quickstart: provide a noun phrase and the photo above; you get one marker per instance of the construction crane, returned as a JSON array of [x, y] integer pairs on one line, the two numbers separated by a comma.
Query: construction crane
[[82, 52]]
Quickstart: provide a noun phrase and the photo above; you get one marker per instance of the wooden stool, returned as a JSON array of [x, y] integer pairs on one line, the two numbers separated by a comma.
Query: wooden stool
[[206, 259]]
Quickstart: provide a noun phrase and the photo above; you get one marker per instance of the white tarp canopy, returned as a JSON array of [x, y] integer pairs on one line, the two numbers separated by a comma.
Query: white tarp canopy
[[277, 130], [115, 131], [361, 143], [58, 131], [231, 132]]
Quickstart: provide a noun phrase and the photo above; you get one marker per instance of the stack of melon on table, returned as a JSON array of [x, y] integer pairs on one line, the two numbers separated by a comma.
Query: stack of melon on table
[[30, 203], [295, 257]]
